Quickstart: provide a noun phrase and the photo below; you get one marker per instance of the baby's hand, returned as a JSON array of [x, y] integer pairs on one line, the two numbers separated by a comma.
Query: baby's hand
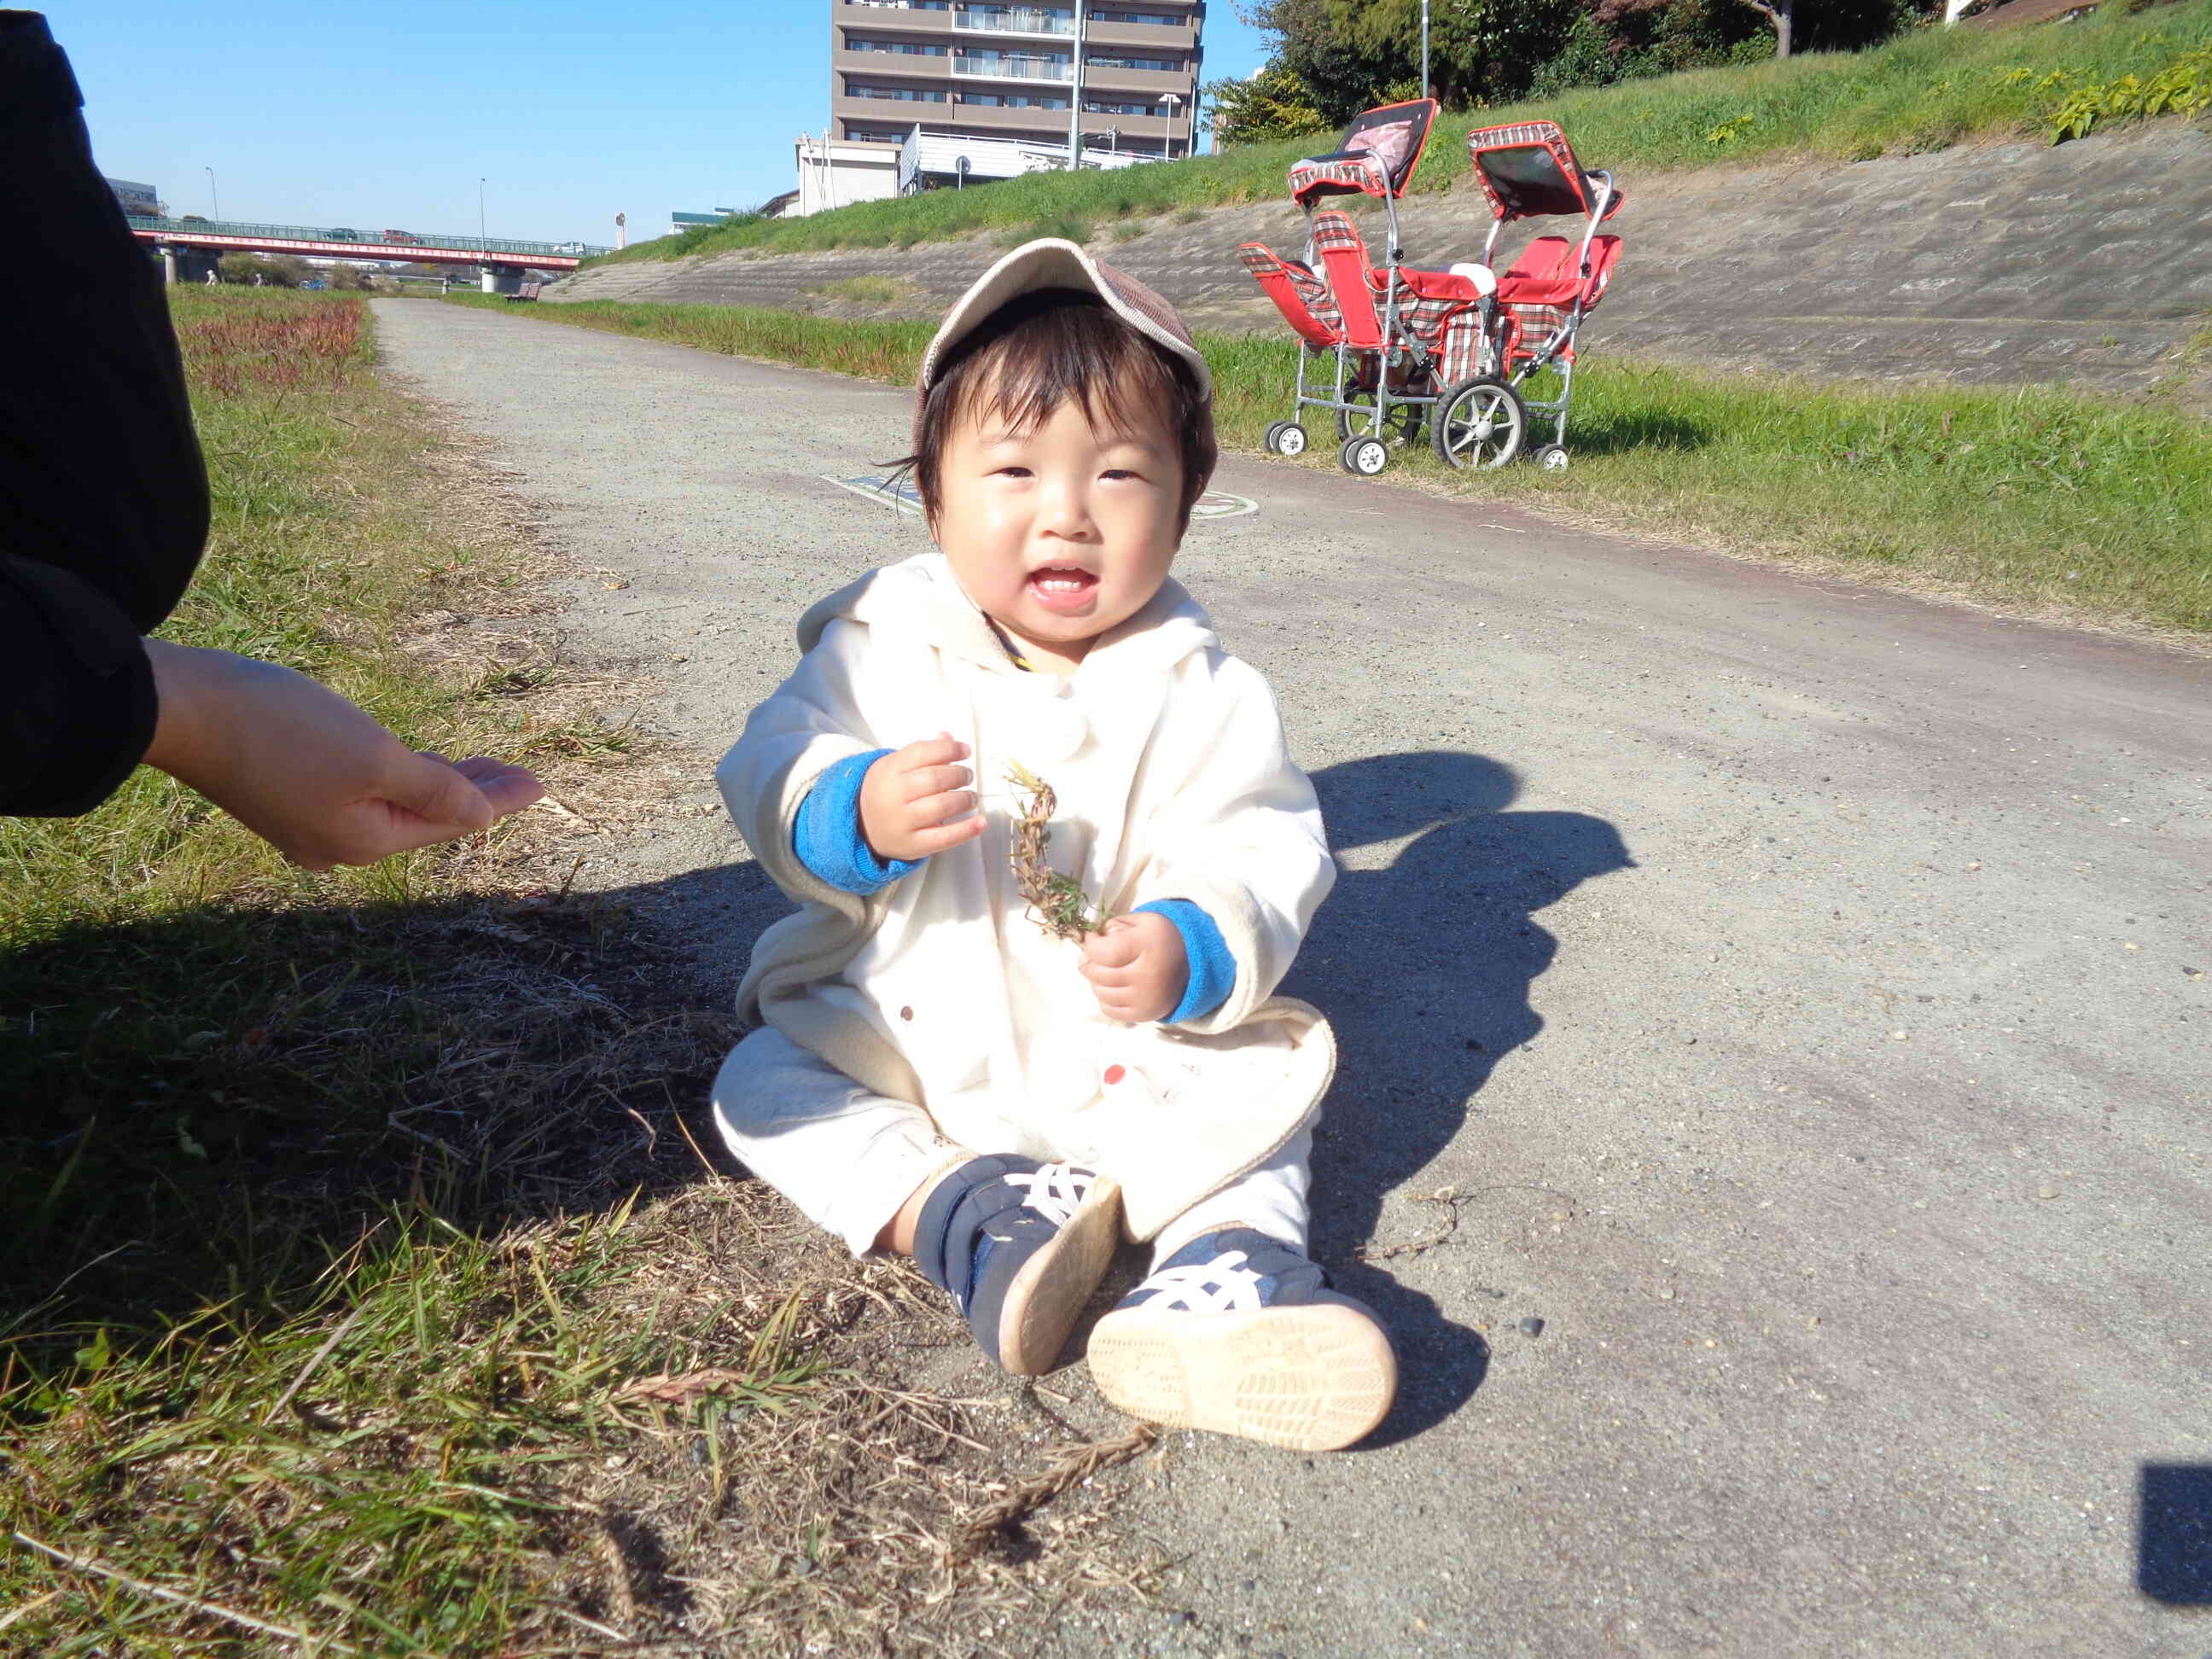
[[1137, 968], [916, 801]]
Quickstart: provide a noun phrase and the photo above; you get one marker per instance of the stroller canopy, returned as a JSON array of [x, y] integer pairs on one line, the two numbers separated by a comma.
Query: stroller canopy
[[1381, 149], [1528, 169]]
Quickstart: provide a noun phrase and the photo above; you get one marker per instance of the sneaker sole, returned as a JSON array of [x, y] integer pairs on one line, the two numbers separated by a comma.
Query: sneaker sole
[[1313, 1377], [1054, 1285]]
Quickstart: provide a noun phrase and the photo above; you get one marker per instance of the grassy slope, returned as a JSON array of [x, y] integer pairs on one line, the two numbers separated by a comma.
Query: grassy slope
[[350, 1218], [203, 1051], [1923, 91], [2031, 499]]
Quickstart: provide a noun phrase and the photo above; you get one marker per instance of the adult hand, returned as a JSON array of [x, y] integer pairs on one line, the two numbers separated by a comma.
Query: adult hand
[[1137, 968], [308, 771], [916, 800]]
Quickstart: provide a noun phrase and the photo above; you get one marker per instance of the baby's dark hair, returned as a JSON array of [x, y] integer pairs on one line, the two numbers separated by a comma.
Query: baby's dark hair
[[1046, 346]]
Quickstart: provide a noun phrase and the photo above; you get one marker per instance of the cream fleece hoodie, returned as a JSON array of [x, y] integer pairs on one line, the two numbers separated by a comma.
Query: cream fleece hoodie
[[1174, 781]]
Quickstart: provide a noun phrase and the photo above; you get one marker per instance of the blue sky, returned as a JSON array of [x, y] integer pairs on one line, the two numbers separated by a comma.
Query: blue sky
[[386, 113]]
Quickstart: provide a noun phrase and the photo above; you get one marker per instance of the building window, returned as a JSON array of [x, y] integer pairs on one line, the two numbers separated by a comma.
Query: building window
[[1167, 65], [902, 94], [855, 43], [1139, 17], [1012, 101], [904, 5]]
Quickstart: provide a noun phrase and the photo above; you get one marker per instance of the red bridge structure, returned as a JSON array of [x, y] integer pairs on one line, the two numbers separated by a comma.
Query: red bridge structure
[[498, 257]]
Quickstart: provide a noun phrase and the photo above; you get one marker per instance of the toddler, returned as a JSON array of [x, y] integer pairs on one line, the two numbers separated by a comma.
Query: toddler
[[942, 1066]]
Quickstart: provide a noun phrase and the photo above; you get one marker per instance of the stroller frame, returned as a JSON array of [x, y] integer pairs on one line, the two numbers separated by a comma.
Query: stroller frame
[[1390, 370], [1528, 170]]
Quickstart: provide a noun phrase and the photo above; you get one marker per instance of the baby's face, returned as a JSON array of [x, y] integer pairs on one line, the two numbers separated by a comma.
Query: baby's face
[[1059, 533]]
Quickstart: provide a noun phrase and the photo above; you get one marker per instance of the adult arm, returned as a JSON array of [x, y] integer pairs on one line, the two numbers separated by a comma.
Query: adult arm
[[103, 496]]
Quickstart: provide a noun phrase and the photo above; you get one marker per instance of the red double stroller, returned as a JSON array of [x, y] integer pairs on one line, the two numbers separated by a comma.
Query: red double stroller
[[1451, 346]]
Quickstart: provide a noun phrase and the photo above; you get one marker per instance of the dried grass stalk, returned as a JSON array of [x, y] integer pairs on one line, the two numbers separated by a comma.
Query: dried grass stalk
[[1078, 1464], [1058, 903]]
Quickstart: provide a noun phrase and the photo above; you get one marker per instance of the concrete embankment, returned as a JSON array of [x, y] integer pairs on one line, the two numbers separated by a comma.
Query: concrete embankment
[[2089, 263]]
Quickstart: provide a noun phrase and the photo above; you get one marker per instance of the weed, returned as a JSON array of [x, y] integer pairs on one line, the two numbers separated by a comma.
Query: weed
[[869, 290]]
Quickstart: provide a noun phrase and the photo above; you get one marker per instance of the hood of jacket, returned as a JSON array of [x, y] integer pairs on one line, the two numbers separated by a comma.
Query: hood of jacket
[[920, 599]]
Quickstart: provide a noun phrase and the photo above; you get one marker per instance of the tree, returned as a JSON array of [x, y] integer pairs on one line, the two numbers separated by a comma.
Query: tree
[[1479, 50], [1778, 15], [1340, 76], [1272, 105]]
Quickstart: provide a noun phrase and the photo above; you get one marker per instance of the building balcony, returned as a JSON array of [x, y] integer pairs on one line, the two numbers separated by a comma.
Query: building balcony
[[892, 19], [1141, 83], [1040, 23], [966, 21], [1012, 69]]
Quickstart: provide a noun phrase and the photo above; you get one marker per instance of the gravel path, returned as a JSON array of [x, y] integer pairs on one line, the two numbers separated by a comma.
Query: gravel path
[[1795, 996]]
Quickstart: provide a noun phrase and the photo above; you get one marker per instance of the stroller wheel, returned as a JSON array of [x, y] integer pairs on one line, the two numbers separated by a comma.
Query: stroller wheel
[[1286, 438], [1552, 458], [1403, 427], [1363, 457], [1479, 425]]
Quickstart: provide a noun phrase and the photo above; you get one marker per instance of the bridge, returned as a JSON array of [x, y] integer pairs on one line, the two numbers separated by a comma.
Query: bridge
[[227, 236]]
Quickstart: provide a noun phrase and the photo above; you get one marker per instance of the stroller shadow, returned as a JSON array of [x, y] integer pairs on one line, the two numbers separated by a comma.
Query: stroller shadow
[[1425, 968], [1622, 431]]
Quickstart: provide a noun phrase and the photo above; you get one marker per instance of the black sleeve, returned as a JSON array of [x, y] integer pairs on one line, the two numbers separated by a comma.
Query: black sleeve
[[103, 496]]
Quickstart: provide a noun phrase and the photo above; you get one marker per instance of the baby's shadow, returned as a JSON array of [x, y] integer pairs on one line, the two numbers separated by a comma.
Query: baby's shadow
[[1425, 968]]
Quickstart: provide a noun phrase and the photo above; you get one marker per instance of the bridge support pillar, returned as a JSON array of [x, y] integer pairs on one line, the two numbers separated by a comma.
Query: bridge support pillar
[[498, 279], [169, 266]]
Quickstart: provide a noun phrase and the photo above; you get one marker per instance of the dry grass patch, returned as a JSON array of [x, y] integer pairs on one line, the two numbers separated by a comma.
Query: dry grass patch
[[369, 1286]]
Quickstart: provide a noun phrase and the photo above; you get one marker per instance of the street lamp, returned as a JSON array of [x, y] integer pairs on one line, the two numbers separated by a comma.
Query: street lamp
[[1425, 49], [480, 216], [212, 197], [1167, 138]]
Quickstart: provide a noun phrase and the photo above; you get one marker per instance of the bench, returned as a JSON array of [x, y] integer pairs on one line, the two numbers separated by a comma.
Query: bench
[[528, 291]]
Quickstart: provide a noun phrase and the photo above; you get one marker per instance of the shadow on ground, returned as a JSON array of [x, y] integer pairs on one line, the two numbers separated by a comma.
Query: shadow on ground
[[213, 1105], [1425, 968], [217, 1103]]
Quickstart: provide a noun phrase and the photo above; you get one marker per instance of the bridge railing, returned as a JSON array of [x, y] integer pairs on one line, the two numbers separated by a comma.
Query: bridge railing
[[385, 250]]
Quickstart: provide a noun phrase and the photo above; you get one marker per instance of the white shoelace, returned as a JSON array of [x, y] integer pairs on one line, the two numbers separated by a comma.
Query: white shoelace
[[1223, 1285], [1055, 1191]]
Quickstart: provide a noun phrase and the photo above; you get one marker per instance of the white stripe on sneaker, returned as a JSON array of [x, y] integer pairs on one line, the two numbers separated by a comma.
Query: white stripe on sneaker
[[1056, 1192], [1223, 1285]]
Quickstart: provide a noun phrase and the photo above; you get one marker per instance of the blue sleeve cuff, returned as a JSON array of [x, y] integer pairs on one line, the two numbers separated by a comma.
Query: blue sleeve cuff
[[827, 835], [1213, 970]]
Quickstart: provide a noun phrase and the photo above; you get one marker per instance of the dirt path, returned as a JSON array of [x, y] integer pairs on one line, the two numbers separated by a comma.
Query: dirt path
[[1795, 996]]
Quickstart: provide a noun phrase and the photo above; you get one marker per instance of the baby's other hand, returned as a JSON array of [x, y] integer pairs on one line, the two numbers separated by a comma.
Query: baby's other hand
[[916, 800], [1137, 968]]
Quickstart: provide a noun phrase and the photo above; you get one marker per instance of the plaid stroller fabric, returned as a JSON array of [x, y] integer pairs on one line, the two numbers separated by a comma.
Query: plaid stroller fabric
[[1364, 171], [1424, 323], [1462, 347], [1529, 328], [1334, 232]]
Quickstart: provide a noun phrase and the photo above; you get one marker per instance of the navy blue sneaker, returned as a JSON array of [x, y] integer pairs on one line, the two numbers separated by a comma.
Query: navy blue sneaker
[[1239, 1333], [1021, 1246]]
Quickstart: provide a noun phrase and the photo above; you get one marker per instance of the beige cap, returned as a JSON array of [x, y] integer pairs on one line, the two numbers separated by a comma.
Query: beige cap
[[1053, 262]]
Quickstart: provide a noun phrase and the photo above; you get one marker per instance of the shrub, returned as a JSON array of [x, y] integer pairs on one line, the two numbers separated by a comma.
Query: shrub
[[275, 270]]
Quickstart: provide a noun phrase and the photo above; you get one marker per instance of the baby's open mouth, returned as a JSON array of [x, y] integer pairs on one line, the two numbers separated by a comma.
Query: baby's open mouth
[[1062, 587]]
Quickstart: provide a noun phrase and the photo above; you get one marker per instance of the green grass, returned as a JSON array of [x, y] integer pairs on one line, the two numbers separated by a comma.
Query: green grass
[[295, 1321], [868, 290], [1925, 90], [363, 1289], [2033, 498]]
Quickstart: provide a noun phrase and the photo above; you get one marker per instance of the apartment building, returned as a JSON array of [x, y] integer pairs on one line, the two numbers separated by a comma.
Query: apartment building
[[997, 71]]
